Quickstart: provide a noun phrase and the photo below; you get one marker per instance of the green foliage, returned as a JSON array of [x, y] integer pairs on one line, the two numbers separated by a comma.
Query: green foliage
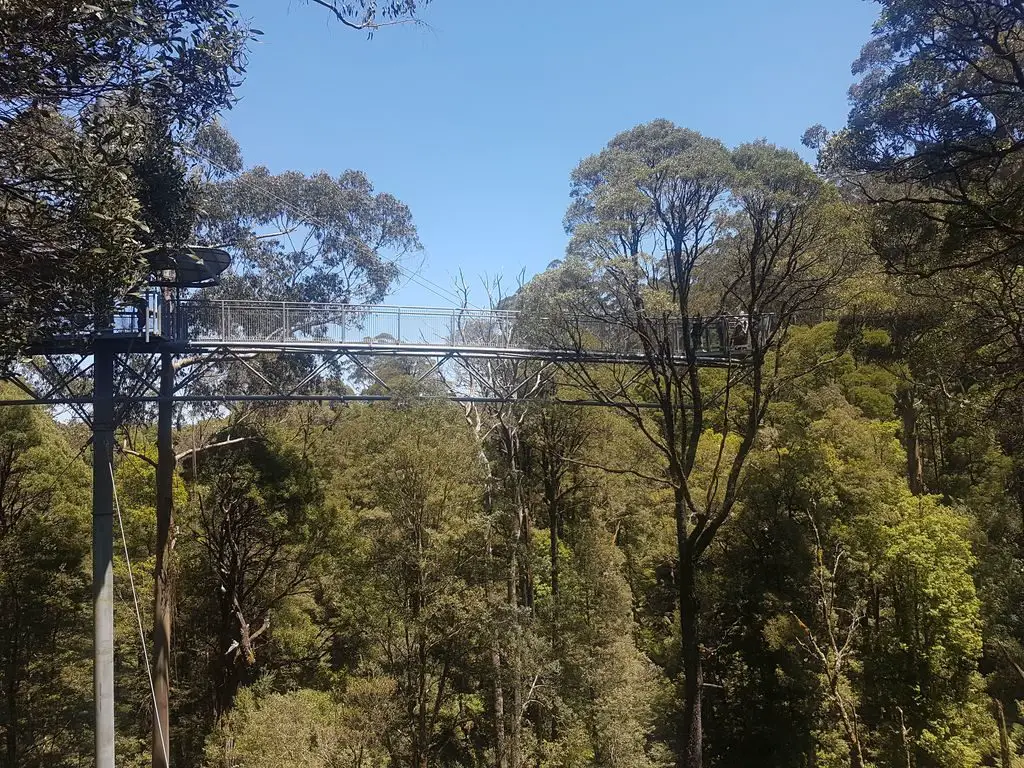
[[259, 532], [307, 728], [823, 548], [305, 238], [44, 594], [89, 179], [931, 638], [369, 15], [400, 571]]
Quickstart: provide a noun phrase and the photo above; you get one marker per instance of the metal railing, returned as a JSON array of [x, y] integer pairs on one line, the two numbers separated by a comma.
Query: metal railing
[[268, 323], [138, 317]]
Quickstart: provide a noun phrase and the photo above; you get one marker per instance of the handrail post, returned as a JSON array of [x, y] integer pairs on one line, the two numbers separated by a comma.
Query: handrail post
[[398, 326]]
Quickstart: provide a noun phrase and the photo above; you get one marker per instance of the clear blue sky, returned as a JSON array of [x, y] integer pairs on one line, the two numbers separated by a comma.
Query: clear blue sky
[[477, 121]]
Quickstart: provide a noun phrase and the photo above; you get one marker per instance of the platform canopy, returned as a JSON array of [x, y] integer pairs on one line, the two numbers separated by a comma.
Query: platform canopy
[[193, 266]]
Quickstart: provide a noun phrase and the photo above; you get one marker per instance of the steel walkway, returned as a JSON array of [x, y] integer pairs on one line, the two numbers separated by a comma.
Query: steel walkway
[[256, 326], [465, 348]]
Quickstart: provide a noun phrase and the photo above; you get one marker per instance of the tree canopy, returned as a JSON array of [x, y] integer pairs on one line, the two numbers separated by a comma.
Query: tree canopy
[[93, 98], [807, 554]]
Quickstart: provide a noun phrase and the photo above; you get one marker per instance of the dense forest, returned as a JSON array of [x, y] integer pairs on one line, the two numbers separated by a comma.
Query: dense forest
[[812, 555]]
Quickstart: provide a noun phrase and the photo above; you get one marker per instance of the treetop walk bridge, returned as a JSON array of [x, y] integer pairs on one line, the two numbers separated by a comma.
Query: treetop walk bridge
[[164, 350], [383, 329], [233, 331], [191, 325]]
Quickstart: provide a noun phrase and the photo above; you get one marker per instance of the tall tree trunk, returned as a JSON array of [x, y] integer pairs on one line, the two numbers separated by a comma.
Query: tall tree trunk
[[11, 694], [689, 626], [528, 577], [225, 668], [849, 722], [519, 521], [422, 739], [416, 674], [515, 758], [911, 440], [500, 745], [1005, 756], [693, 669], [422, 735], [161, 577], [515, 722], [556, 638], [553, 545]]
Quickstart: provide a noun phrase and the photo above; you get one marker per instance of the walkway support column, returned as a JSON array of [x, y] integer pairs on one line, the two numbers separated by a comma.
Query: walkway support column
[[103, 552]]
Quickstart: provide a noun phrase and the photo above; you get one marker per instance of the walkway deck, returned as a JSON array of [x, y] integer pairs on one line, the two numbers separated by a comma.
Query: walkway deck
[[387, 329]]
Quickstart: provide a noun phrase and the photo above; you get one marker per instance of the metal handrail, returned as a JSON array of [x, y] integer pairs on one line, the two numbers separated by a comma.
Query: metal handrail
[[240, 320], [387, 328]]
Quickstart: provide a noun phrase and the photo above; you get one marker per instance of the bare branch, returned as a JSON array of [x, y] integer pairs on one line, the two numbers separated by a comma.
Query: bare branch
[[617, 471], [369, 23], [195, 451]]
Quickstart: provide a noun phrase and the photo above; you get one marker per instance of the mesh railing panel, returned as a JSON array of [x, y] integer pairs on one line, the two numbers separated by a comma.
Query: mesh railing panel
[[343, 324]]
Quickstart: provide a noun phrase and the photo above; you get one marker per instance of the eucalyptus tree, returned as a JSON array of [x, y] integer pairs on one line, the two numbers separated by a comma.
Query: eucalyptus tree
[[258, 526], [92, 100], [314, 238], [938, 114], [667, 224], [320, 239], [935, 143], [412, 476]]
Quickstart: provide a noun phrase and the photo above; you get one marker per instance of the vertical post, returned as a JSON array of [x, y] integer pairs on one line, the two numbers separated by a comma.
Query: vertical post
[[161, 577], [165, 317], [398, 330], [103, 552]]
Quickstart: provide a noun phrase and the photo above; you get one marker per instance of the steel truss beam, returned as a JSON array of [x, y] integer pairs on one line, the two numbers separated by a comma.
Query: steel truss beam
[[191, 399], [464, 378], [429, 350], [472, 353]]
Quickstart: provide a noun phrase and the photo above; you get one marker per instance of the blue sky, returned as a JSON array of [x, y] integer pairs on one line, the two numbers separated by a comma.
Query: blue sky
[[477, 120]]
